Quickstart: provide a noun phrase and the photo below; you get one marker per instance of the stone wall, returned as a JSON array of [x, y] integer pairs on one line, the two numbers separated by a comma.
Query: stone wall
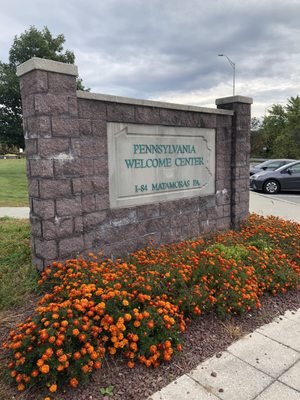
[[67, 168]]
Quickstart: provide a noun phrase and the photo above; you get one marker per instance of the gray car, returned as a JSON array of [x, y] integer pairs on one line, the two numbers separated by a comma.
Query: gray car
[[269, 165], [282, 179]]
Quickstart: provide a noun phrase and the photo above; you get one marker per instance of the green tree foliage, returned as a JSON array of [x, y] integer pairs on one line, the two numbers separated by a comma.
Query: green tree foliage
[[31, 43], [279, 133]]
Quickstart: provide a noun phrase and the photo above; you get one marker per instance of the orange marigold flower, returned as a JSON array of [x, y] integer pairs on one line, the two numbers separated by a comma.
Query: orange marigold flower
[[21, 387], [130, 364], [77, 355], [75, 332], [45, 369], [34, 373], [127, 317], [74, 382], [40, 362], [53, 388], [63, 358], [85, 369], [150, 324]]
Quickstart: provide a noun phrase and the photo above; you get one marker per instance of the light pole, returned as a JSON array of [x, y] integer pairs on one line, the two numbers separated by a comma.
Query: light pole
[[233, 70]]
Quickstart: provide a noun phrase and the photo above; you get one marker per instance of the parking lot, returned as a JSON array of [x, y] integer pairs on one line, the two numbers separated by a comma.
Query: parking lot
[[292, 197]]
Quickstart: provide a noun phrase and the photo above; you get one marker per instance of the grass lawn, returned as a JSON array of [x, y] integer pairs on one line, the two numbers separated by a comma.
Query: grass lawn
[[13, 183], [18, 278]]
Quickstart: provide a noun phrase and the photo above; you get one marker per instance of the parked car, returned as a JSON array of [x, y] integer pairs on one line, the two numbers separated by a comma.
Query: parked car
[[282, 179], [269, 165]]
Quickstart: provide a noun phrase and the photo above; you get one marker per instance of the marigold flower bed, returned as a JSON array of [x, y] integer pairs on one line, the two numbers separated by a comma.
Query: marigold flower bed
[[139, 307]]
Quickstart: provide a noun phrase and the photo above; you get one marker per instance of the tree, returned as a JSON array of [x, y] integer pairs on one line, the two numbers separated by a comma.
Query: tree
[[280, 130], [31, 43]]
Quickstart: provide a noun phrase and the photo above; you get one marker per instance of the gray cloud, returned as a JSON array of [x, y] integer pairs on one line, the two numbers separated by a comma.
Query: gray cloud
[[167, 49]]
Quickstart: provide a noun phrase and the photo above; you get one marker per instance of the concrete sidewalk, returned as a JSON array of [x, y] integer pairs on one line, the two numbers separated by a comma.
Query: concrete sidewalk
[[14, 212], [264, 365]]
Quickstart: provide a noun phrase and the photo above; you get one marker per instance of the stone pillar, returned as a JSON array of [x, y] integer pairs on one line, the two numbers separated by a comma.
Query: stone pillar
[[240, 155], [50, 122]]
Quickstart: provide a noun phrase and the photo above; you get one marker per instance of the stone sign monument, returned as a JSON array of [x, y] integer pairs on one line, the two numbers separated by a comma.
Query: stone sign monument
[[112, 173]]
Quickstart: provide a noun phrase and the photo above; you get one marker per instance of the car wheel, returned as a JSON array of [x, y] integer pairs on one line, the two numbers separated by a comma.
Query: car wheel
[[271, 186]]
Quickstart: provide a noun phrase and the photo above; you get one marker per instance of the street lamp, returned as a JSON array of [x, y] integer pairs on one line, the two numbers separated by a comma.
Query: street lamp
[[233, 70]]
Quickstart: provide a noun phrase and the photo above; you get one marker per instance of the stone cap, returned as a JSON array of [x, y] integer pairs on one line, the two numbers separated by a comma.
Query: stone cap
[[149, 103], [43, 64], [234, 99]]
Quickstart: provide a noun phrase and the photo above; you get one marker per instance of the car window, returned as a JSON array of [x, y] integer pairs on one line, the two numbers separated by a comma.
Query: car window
[[295, 168], [274, 165]]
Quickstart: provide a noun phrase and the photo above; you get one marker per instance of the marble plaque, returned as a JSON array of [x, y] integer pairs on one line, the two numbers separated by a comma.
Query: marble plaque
[[154, 163]]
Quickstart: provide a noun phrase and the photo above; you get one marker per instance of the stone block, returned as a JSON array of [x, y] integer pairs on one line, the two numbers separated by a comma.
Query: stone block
[[85, 127], [71, 246], [124, 218], [78, 225], [90, 185], [67, 127], [106, 234], [171, 235], [57, 228], [101, 166], [133, 230], [120, 112], [51, 104], [36, 227], [54, 148], [147, 115], [61, 83], [38, 127], [147, 211], [31, 147], [102, 201], [169, 208], [46, 249], [72, 106], [73, 168], [53, 189], [99, 128], [34, 82], [92, 147], [223, 223], [43, 209], [41, 168], [28, 109], [207, 120], [157, 224], [33, 188], [91, 109], [93, 219], [68, 206], [88, 203]]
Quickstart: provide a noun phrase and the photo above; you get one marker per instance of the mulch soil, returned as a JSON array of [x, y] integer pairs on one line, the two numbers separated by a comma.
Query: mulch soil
[[205, 336]]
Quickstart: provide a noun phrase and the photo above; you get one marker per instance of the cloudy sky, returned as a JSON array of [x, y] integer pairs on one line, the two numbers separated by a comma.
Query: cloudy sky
[[168, 49]]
